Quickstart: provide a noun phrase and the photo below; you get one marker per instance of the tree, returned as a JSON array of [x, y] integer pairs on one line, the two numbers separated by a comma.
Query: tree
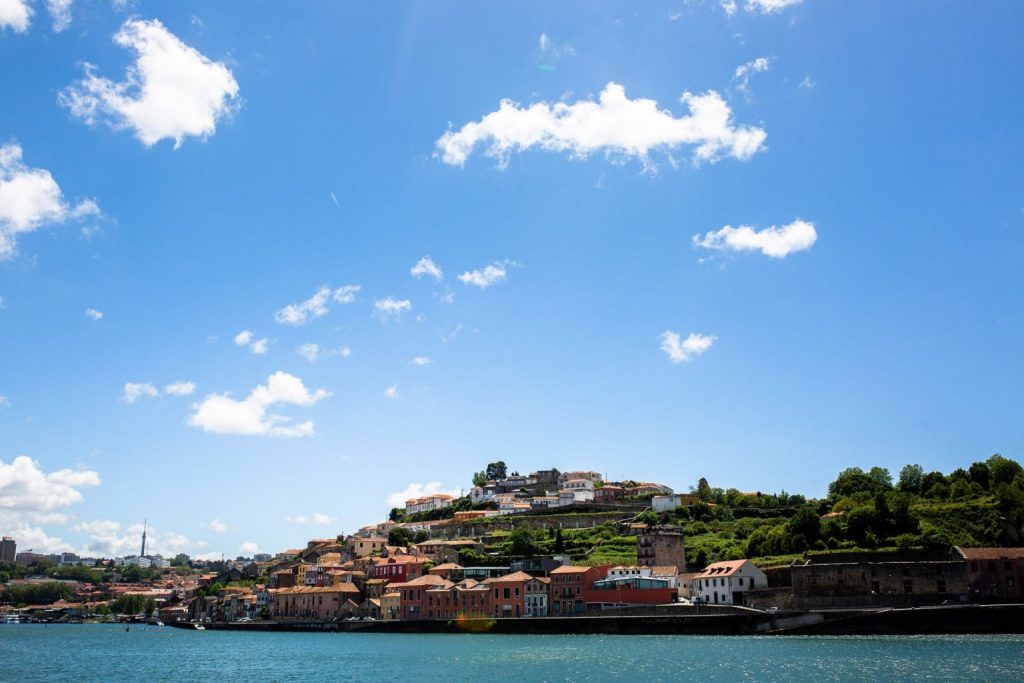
[[496, 470], [399, 536], [979, 474], [703, 489], [479, 478], [396, 514], [150, 607], [559, 542], [1003, 469], [910, 478], [520, 543], [805, 523]]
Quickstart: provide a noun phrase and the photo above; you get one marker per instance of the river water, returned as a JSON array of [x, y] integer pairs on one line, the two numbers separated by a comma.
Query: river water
[[34, 652]]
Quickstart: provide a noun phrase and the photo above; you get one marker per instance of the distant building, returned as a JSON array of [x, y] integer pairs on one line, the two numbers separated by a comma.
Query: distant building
[[8, 550], [665, 503], [435, 501], [661, 546], [726, 583], [994, 573]]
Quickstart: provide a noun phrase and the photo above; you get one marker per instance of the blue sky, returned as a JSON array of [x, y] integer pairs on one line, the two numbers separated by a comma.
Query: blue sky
[[218, 163]]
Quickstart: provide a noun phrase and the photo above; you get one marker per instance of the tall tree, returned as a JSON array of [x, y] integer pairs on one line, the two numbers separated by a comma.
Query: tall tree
[[497, 470], [910, 478]]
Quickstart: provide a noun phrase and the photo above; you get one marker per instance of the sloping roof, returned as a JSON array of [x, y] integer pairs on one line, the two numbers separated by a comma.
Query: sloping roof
[[722, 568], [571, 569], [514, 576], [991, 553]]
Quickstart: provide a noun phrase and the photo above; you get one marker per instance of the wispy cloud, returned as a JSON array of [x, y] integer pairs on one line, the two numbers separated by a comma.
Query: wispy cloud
[[133, 391], [391, 392], [93, 313], [391, 308], [490, 274], [421, 361], [316, 306], [744, 71], [549, 48], [426, 266], [679, 350], [317, 518], [180, 389]]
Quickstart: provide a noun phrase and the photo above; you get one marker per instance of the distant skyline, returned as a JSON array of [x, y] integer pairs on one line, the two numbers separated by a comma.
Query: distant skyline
[[267, 270]]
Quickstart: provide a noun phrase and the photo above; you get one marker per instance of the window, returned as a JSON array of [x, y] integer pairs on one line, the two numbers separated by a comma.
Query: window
[[940, 586], [908, 586], [507, 596]]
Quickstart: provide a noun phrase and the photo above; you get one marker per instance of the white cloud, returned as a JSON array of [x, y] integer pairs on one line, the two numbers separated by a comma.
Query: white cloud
[[15, 15], [180, 389], [616, 125], [171, 91], [221, 414], [246, 338], [486, 276], [743, 72], [259, 347], [674, 16], [28, 496], [60, 12], [421, 361], [133, 391], [417, 490], [217, 526], [680, 351], [93, 313], [769, 6], [391, 392], [549, 48], [248, 549], [392, 308], [310, 352], [108, 538], [318, 518], [4, 401], [776, 242], [30, 198], [316, 306], [729, 7], [25, 488], [807, 83], [426, 266]]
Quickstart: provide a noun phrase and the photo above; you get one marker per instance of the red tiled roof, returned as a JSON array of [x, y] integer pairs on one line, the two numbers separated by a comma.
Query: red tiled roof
[[991, 553]]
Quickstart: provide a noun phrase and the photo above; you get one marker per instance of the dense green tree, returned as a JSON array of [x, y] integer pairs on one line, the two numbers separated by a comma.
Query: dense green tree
[[910, 478], [979, 474], [479, 478], [399, 536], [521, 543], [559, 542], [496, 470], [149, 607], [805, 523], [1003, 469]]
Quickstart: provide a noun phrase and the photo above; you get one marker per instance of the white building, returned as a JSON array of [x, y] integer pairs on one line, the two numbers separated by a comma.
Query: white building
[[724, 583], [582, 490], [665, 503], [434, 501], [483, 494]]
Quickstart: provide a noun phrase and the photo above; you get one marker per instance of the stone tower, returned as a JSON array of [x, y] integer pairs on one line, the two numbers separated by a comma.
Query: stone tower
[[661, 546]]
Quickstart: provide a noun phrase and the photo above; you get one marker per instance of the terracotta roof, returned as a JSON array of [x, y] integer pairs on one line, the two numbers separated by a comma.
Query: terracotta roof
[[514, 576], [991, 553], [295, 590], [667, 570], [446, 565], [722, 568], [570, 569]]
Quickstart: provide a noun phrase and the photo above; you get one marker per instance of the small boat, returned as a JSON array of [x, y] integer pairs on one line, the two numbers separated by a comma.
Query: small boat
[[200, 627]]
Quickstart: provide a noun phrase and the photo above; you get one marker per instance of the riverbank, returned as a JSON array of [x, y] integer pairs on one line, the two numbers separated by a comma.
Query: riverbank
[[951, 619]]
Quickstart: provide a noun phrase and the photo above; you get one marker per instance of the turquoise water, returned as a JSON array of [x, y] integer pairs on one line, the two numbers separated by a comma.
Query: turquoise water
[[30, 652]]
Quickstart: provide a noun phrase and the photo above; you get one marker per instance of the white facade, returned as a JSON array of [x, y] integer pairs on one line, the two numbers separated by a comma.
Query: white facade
[[427, 503], [567, 476], [665, 503], [720, 582]]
